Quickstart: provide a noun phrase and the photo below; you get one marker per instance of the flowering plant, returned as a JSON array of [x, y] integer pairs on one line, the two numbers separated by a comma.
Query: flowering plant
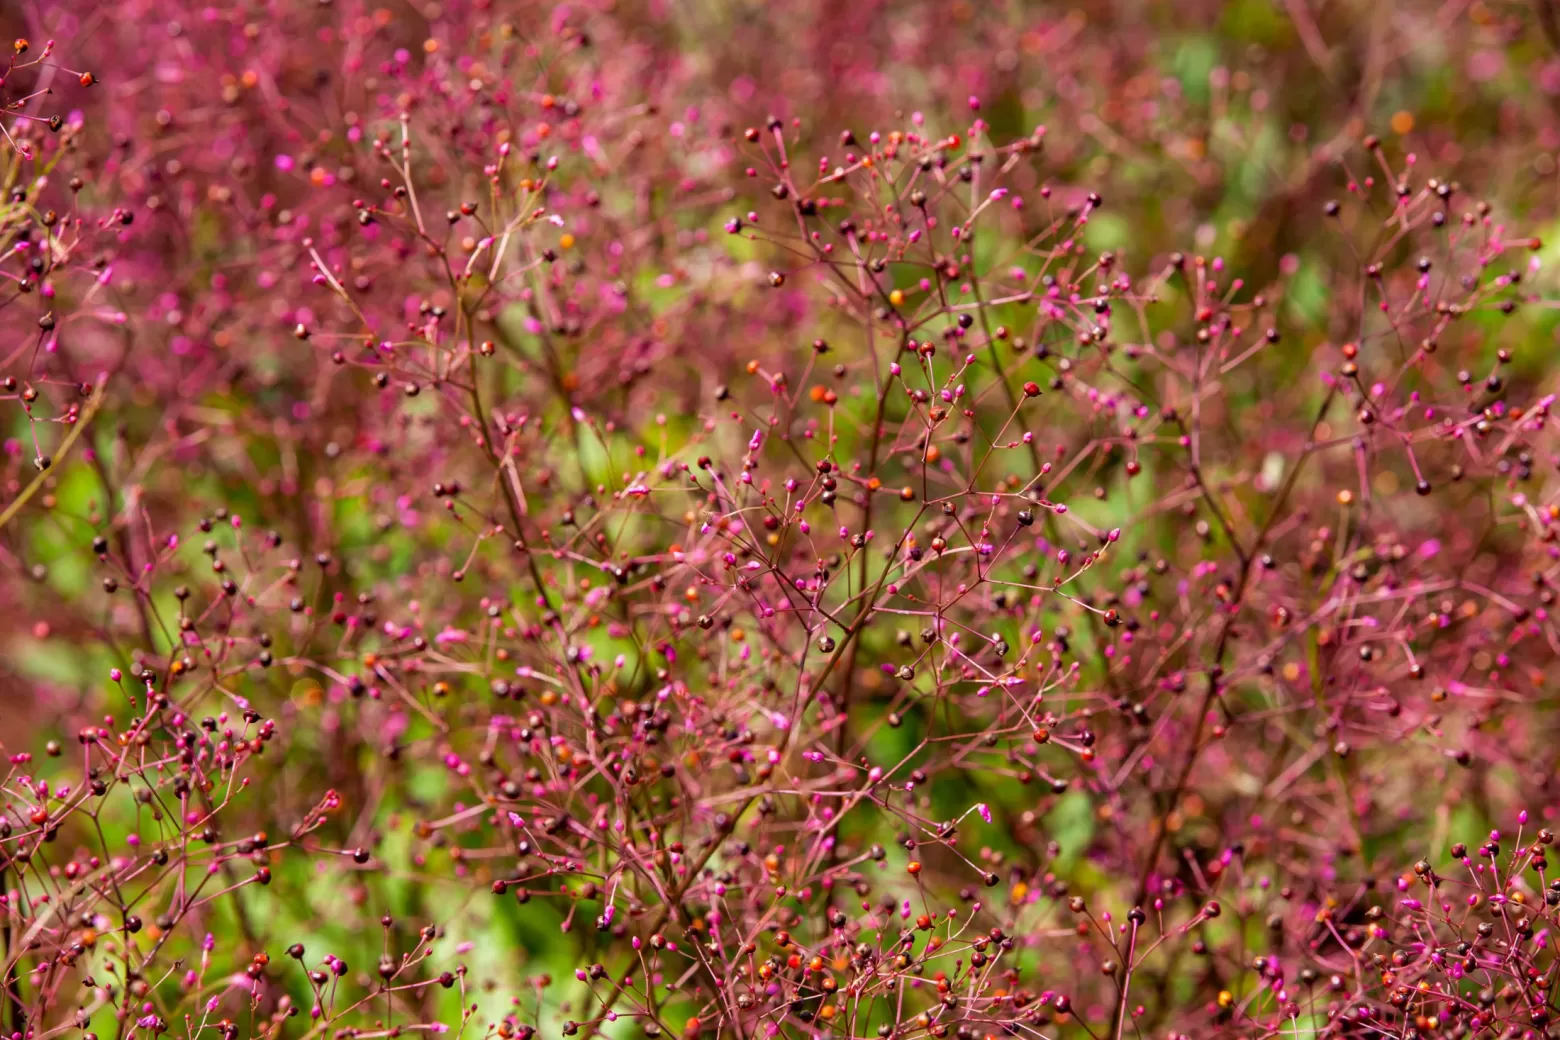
[[504, 534]]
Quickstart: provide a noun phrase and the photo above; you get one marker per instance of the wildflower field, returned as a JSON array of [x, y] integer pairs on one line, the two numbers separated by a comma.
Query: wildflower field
[[888, 520]]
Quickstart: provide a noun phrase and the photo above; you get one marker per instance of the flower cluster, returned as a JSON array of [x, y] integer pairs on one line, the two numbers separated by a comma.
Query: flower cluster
[[504, 535]]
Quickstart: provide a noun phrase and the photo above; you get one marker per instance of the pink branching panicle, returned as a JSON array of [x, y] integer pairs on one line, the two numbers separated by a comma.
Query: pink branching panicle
[[563, 562]]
